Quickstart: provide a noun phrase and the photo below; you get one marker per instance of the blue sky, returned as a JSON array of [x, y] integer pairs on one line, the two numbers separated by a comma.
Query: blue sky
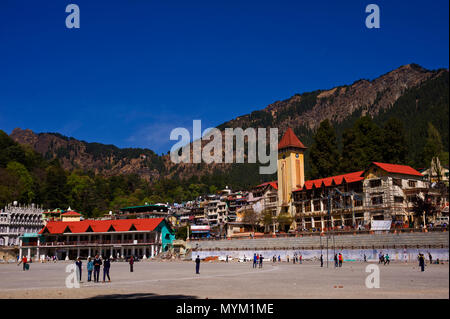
[[136, 69]]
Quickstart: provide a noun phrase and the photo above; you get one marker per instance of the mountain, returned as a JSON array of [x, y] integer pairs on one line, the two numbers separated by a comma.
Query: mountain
[[108, 160], [411, 93]]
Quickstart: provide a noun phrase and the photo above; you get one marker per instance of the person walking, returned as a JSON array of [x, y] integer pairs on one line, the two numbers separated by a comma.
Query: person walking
[[321, 260], [335, 260], [279, 258], [97, 264], [422, 262], [90, 268], [261, 260], [341, 259], [365, 258], [131, 262], [197, 265], [106, 267], [430, 257], [79, 264], [386, 259], [255, 259], [227, 258]]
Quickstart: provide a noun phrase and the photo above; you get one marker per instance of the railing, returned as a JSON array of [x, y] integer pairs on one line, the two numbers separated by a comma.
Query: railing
[[97, 242], [334, 231]]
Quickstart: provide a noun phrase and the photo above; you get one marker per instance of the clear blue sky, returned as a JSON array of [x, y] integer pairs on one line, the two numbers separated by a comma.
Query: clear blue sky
[[138, 68]]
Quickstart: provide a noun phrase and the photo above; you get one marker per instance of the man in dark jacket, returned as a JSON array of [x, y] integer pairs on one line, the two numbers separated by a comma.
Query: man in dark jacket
[[79, 264], [197, 265], [261, 260], [321, 260], [131, 263], [335, 260], [106, 266], [422, 262], [97, 264]]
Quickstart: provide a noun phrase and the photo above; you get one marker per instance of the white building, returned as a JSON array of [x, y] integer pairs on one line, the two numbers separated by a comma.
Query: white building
[[16, 220]]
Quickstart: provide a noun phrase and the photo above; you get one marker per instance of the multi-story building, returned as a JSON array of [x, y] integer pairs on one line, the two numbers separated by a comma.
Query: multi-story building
[[381, 192], [17, 220], [115, 238]]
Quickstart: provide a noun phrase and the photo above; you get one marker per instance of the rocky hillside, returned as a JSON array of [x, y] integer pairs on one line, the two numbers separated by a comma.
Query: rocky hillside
[[342, 105], [108, 160], [337, 104]]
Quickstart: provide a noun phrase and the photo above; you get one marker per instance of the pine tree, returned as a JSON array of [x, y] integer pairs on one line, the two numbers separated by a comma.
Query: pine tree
[[362, 145], [433, 147], [324, 155], [394, 148]]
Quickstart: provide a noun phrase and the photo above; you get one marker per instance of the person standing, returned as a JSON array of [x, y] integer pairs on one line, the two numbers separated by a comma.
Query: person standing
[[321, 260], [79, 264], [386, 259], [24, 261], [197, 265], [97, 264], [422, 262], [90, 268], [227, 258], [365, 258], [131, 262], [106, 267], [254, 260], [430, 257], [335, 260], [261, 260], [341, 259], [301, 258]]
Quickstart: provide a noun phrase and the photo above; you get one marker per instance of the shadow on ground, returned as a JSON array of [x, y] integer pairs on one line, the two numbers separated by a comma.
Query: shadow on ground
[[142, 296]]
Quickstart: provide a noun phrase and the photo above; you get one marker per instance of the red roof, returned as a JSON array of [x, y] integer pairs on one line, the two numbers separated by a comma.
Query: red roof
[[290, 140], [71, 213], [102, 226], [337, 180], [398, 169], [274, 184]]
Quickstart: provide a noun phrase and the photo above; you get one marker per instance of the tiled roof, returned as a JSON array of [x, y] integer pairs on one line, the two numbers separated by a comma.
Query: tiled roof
[[71, 213], [290, 140], [337, 180], [398, 169], [274, 184], [143, 224]]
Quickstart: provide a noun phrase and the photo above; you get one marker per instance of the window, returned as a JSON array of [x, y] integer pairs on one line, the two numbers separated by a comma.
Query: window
[[375, 183], [412, 183], [398, 199], [397, 182], [377, 200]]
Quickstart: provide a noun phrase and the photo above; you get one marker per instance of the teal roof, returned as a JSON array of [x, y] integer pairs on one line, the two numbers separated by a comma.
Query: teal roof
[[30, 235]]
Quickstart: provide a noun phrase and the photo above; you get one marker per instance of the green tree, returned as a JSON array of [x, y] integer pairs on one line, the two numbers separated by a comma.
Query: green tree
[[267, 219], [324, 154], [284, 221], [433, 147], [394, 147], [24, 184], [362, 145]]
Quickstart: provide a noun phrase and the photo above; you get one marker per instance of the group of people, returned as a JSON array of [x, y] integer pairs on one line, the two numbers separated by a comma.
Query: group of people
[[338, 260], [94, 265], [384, 259], [257, 260]]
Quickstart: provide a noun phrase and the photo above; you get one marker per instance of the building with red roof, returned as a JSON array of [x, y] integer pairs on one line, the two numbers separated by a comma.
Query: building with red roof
[[142, 238], [382, 191]]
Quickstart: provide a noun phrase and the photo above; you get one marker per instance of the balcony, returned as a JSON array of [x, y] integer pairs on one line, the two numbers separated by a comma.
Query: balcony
[[98, 242]]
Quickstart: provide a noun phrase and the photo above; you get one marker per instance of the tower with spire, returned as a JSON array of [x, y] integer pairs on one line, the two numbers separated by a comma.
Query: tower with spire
[[291, 170]]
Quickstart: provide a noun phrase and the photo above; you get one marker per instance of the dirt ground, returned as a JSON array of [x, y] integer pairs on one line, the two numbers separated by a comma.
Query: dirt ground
[[233, 280]]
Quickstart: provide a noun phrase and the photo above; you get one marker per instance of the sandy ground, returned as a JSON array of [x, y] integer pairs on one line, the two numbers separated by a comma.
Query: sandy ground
[[176, 279]]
